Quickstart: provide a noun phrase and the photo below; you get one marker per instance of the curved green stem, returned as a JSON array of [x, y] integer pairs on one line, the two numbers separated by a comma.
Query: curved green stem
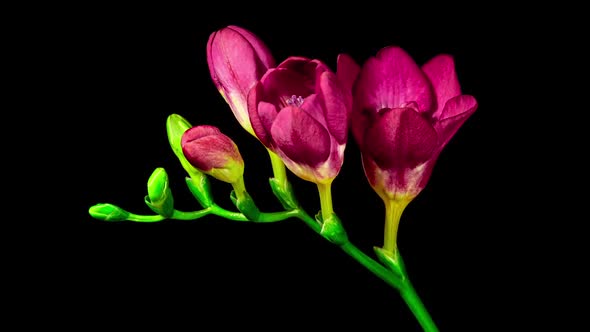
[[264, 216], [277, 216], [180, 215], [143, 218], [219, 211]]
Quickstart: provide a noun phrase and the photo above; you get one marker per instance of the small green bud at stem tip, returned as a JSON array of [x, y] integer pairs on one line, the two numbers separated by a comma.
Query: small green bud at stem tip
[[108, 212]]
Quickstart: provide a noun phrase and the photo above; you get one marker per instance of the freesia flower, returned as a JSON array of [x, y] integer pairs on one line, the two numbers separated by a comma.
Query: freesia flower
[[237, 59], [213, 153], [301, 111], [403, 117]]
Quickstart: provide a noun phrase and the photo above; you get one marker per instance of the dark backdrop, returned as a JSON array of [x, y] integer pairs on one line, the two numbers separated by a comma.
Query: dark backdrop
[[135, 65]]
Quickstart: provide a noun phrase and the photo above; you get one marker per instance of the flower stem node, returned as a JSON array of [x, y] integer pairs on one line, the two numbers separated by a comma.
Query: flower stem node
[[246, 205], [393, 261], [332, 229], [199, 186], [284, 194], [108, 212], [159, 197]]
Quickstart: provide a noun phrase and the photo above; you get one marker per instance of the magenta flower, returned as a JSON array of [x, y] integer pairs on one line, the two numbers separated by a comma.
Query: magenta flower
[[403, 117], [213, 153], [237, 59], [301, 111]]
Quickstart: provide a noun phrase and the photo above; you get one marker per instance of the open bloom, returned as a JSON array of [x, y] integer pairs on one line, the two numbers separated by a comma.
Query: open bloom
[[301, 111], [403, 117], [237, 59], [213, 153]]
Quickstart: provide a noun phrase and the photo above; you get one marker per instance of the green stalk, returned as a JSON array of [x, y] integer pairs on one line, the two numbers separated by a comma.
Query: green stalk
[[309, 221], [372, 265], [325, 191], [393, 213], [278, 168], [417, 307], [239, 188]]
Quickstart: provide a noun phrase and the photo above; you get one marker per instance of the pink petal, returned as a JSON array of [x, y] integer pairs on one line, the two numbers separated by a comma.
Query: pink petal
[[392, 79], [293, 62], [302, 65], [336, 108], [268, 114], [212, 37], [201, 131], [360, 121], [258, 121], [400, 138], [301, 138], [347, 71], [456, 111], [441, 72], [259, 47], [314, 107]]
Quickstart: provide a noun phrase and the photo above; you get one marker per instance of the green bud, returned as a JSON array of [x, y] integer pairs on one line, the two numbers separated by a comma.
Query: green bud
[[284, 195], [159, 197], [158, 185], [393, 261], [108, 212], [332, 229], [199, 186]]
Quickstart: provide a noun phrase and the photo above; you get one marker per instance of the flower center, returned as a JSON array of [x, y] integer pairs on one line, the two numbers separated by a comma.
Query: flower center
[[294, 101]]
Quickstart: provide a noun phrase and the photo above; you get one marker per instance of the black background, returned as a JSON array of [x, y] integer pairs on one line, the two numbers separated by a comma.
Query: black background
[[133, 65]]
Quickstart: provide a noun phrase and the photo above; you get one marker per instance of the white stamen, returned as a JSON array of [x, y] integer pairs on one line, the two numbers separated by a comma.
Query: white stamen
[[295, 100]]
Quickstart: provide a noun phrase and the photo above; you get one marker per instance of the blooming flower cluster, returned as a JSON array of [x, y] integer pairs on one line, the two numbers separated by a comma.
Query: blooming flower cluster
[[400, 114]]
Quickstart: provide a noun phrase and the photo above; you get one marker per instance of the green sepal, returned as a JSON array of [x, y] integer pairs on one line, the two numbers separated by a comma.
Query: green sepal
[[159, 198], [165, 212], [285, 195], [108, 212], [393, 261], [332, 229], [246, 205], [176, 125], [233, 198], [199, 186]]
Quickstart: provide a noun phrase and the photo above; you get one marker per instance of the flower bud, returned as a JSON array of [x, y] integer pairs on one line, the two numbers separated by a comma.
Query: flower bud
[[108, 212], [213, 153], [237, 59], [159, 197]]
